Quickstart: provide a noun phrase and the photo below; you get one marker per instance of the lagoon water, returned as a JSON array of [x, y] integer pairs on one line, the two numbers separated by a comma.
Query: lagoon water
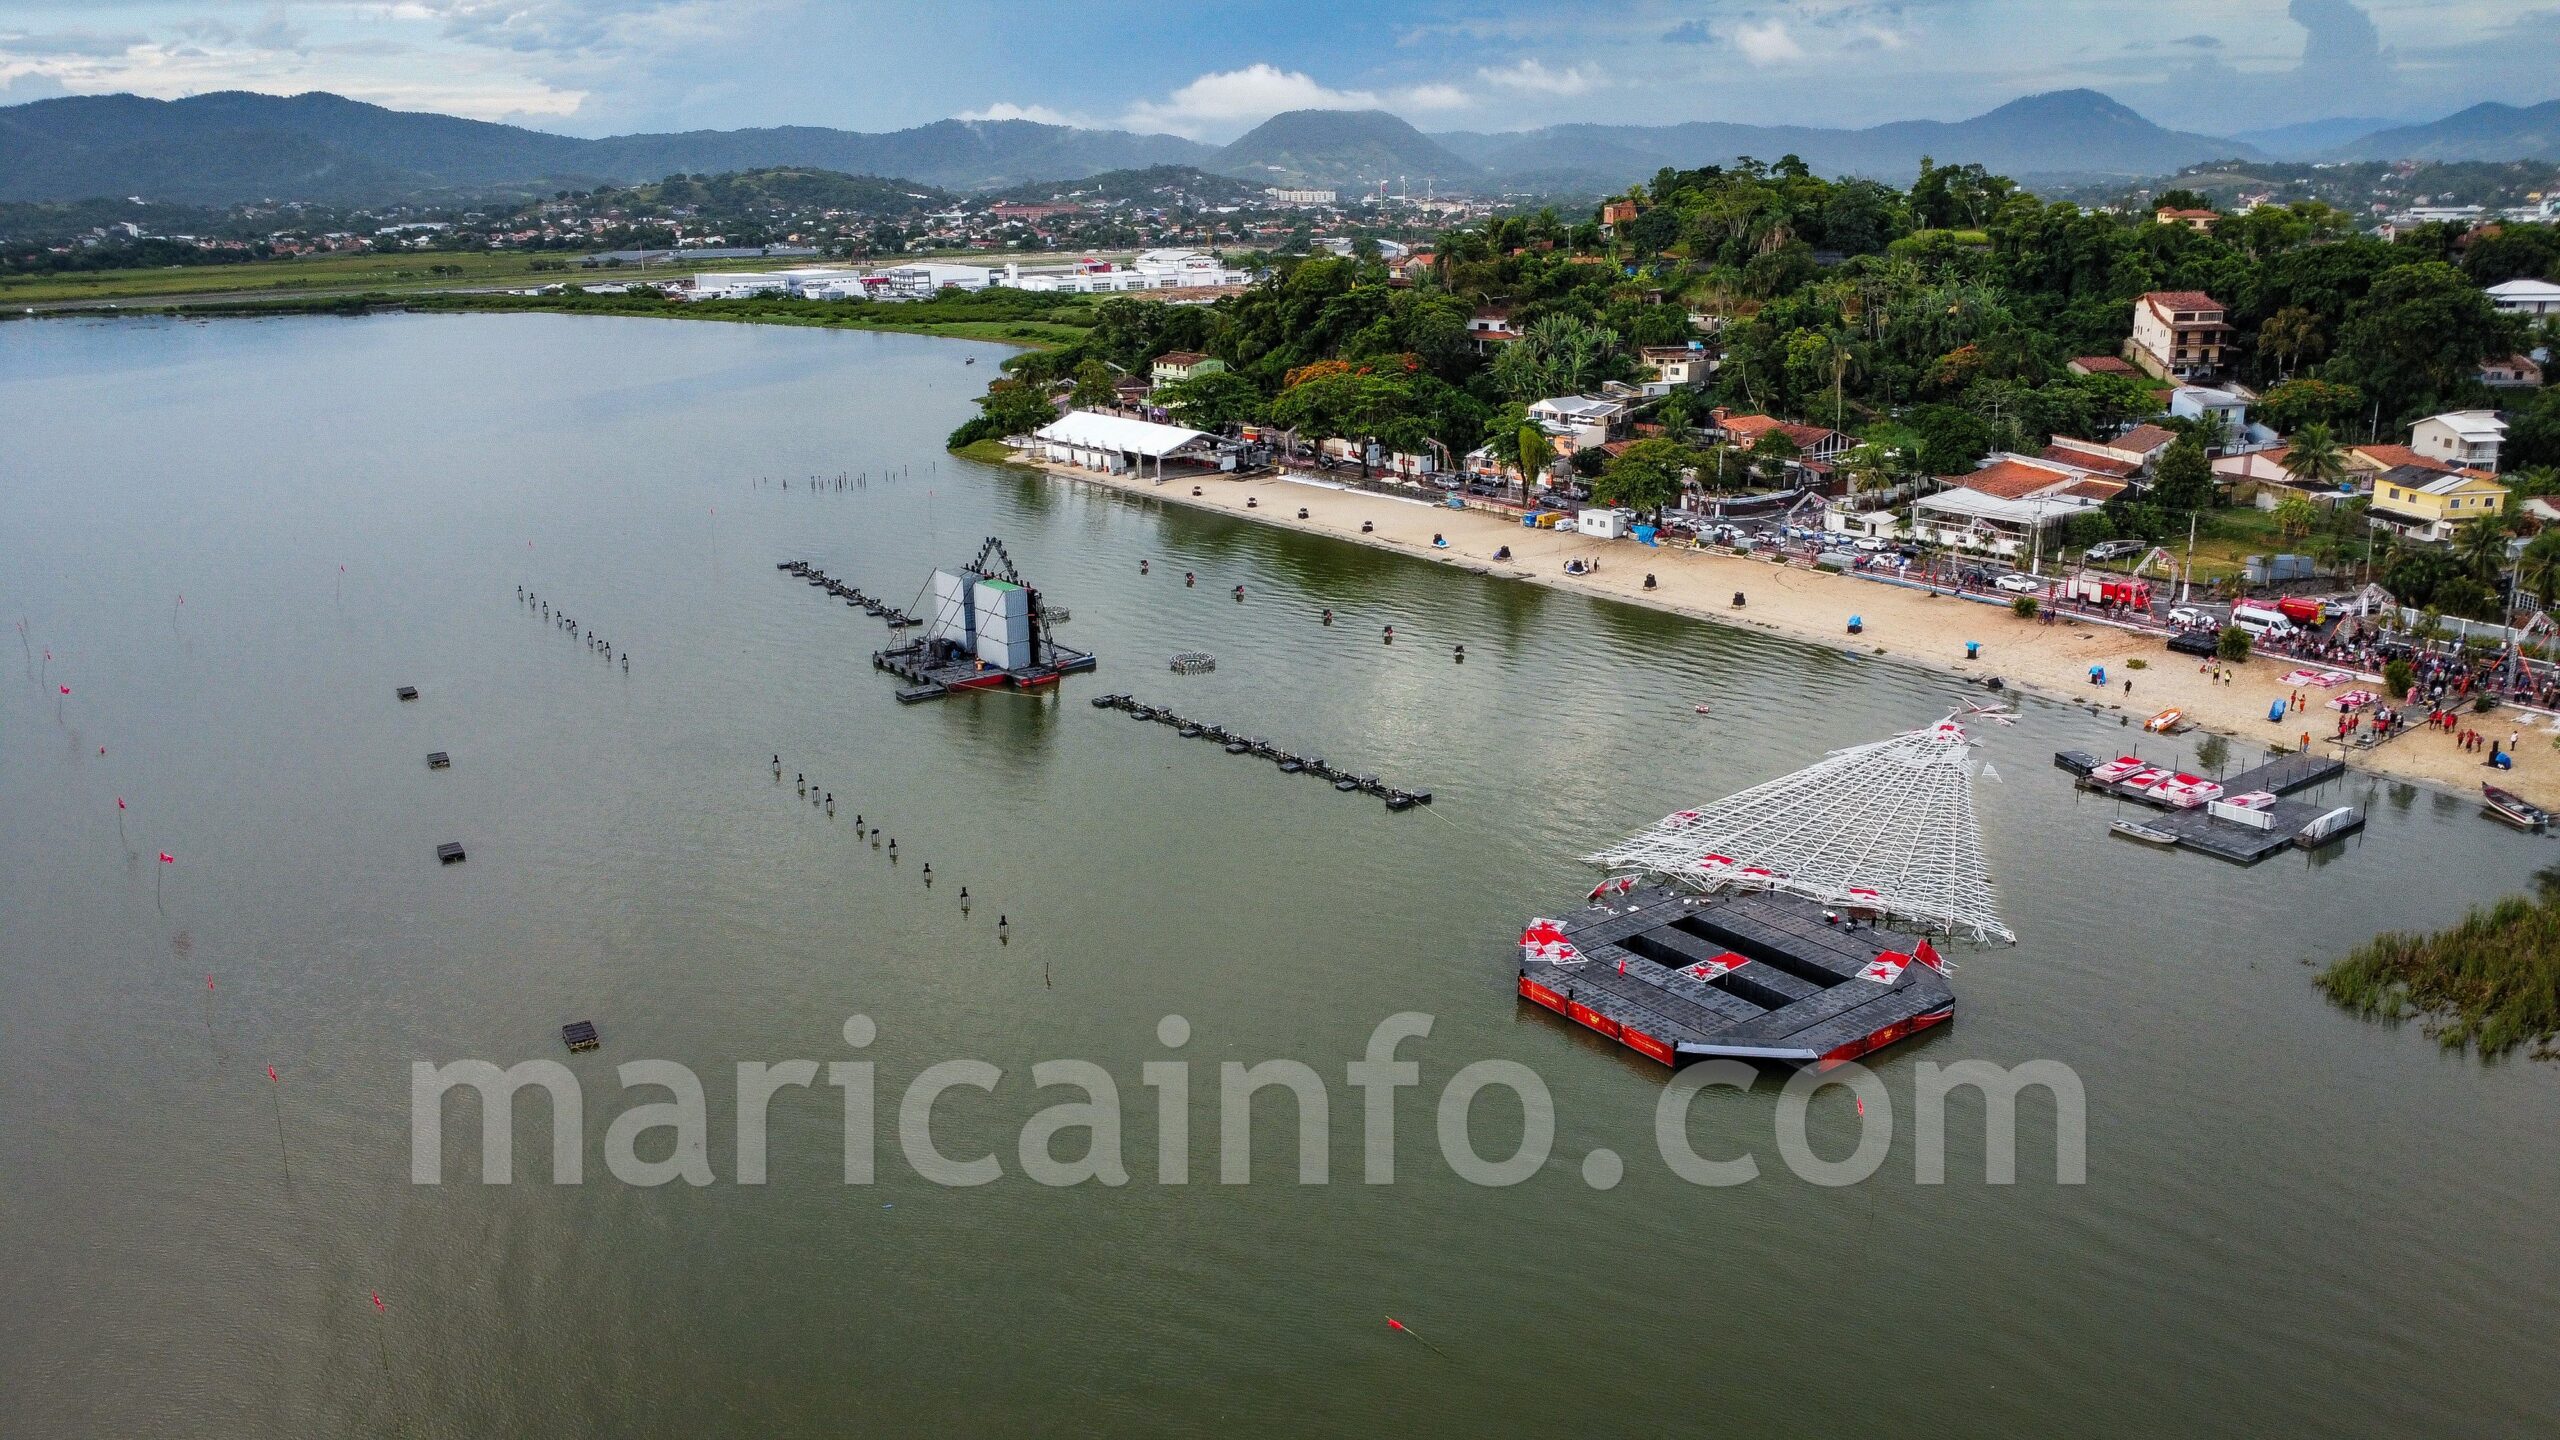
[[2293, 1221]]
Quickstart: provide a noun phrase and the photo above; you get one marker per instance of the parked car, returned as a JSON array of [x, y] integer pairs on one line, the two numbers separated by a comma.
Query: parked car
[[2114, 549], [2188, 617], [2017, 583]]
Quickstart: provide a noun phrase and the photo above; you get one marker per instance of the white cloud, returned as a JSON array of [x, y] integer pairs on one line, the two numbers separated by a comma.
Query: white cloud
[[1007, 110], [1533, 76], [1227, 98], [1766, 42], [1231, 100]]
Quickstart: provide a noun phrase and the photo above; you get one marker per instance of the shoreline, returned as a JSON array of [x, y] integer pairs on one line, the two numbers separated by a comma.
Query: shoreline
[[1906, 623]]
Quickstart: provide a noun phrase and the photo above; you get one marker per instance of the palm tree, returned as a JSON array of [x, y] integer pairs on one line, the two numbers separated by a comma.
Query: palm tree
[[2482, 546], [2316, 458], [2292, 335]]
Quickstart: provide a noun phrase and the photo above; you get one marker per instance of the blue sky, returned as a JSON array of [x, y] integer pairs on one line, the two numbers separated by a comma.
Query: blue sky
[[593, 67]]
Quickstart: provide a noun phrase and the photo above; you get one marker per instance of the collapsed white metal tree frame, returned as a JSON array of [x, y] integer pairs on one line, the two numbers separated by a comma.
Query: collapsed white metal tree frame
[[1887, 826]]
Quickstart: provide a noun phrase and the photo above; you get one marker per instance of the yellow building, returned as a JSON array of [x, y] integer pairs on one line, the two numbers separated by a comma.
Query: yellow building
[[2426, 504]]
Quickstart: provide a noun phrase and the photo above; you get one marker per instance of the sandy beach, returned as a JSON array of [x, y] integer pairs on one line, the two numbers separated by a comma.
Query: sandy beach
[[1899, 622]]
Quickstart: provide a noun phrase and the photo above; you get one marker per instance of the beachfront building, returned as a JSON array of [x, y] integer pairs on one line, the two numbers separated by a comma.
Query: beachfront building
[[2010, 506], [1118, 445], [1579, 422], [2429, 505], [2178, 334], [2469, 438], [2533, 298], [1813, 442]]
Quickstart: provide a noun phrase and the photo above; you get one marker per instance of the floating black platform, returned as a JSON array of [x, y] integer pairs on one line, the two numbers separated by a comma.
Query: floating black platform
[[438, 760], [580, 1035], [450, 852], [407, 692], [1235, 743], [1757, 976]]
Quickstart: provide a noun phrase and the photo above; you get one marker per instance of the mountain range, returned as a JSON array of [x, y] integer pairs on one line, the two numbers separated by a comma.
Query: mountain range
[[231, 146], [2483, 132]]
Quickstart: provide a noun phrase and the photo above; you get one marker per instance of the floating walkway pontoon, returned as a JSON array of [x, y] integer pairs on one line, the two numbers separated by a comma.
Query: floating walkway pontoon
[[1238, 743]]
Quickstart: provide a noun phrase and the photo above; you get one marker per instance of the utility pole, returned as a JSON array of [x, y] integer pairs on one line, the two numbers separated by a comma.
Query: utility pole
[[2187, 578]]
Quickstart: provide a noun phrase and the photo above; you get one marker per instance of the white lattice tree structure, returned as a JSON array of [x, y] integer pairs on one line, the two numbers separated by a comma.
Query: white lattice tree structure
[[1888, 827]]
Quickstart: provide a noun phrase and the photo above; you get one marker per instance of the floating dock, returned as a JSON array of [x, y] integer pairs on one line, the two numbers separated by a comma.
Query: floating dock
[[1758, 975], [2242, 833], [877, 609], [1238, 743]]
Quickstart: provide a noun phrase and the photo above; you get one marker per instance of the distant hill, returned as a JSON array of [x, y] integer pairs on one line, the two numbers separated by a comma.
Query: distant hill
[[1155, 185], [795, 188], [2311, 138], [1342, 148], [2483, 132], [2064, 132], [232, 146]]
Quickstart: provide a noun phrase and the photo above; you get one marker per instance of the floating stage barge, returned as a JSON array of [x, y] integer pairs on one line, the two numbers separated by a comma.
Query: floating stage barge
[[1758, 976], [983, 629], [1757, 927]]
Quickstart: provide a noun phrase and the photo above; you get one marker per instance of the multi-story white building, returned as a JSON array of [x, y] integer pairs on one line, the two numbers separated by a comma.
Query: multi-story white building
[[2526, 297], [2469, 438], [2178, 334]]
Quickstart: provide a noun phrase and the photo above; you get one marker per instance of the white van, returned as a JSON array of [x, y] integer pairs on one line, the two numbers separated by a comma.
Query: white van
[[2264, 624]]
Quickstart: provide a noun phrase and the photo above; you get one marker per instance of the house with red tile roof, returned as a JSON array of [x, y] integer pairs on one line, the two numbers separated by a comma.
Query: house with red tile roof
[[1812, 442], [2178, 335]]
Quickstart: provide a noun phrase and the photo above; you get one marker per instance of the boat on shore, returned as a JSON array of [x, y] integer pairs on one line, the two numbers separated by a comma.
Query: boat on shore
[[2515, 809]]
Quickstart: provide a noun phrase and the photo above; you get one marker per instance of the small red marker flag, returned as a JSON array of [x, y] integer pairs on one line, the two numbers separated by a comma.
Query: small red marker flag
[[271, 1075], [119, 802], [208, 982], [1862, 1107], [66, 689], [377, 1300], [168, 859]]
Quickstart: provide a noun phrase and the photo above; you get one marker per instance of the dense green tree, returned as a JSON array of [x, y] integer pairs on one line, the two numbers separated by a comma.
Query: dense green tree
[[1093, 385], [2296, 403], [2185, 477], [1213, 400], [1646, 476], [2420, 333], [1010, 407]]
